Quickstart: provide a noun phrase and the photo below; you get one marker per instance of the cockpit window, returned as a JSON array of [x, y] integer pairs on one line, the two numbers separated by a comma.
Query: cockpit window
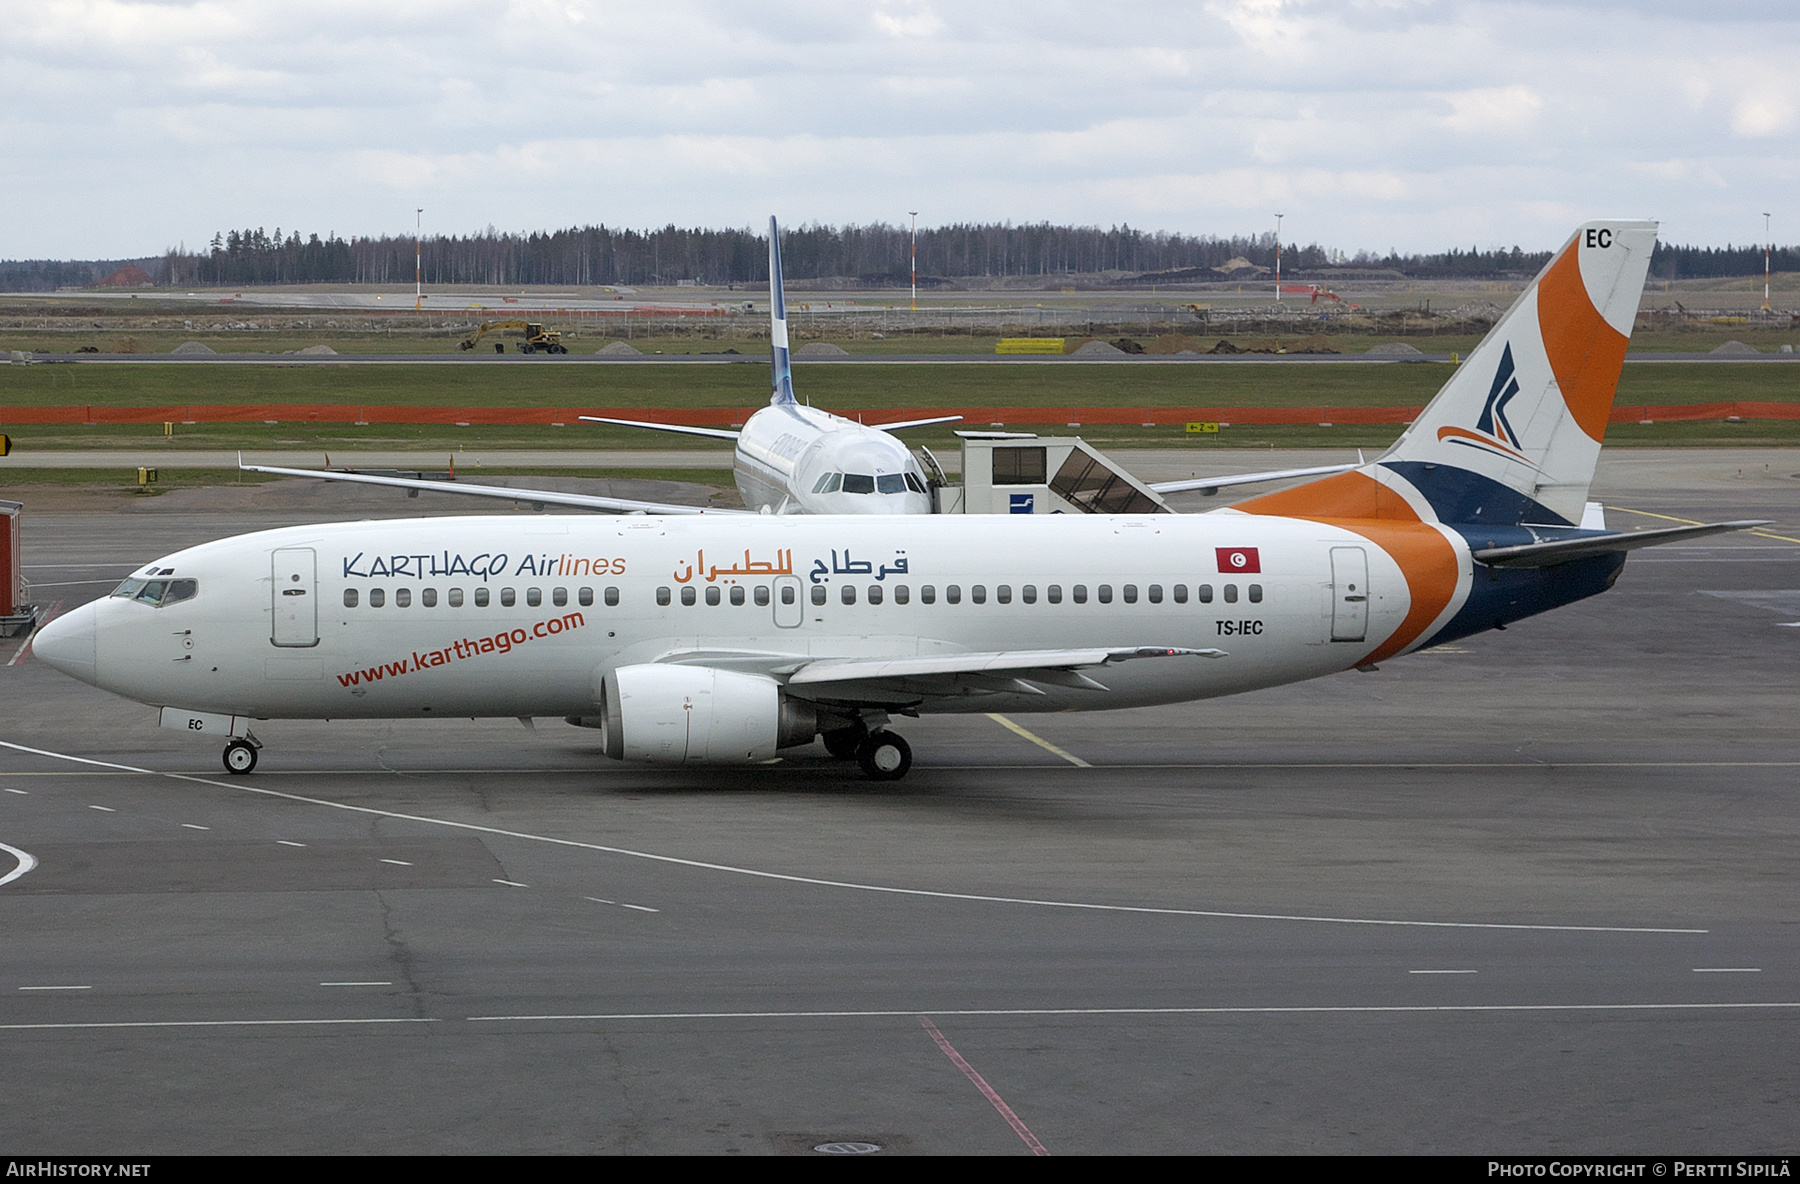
[[859, 483], [827, 483], [159, 593], [891, 483], [913, 483]]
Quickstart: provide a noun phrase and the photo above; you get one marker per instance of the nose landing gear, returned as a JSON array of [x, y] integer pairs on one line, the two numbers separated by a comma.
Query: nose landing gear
[[240, 755]]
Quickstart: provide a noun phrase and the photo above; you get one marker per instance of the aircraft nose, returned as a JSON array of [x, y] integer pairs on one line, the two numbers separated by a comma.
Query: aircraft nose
[[67, 643]]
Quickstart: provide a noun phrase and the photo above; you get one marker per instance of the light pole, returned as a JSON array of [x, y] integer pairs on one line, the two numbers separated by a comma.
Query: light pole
[[915, 259], [1768, 246], [1278, 218], [418, 265]]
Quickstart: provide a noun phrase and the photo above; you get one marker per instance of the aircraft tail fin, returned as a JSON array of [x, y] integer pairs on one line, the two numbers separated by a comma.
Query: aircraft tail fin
[[781, 374], [1513, 437]]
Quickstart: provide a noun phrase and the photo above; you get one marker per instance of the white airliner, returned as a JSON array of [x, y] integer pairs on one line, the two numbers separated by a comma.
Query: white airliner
[[789, 459], [729, 639]]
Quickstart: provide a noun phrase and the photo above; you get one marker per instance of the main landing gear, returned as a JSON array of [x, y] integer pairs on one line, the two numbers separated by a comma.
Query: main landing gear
[[240, 755], [882, 754]]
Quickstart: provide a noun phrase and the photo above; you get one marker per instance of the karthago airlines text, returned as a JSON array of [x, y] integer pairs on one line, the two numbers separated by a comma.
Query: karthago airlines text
[[499, 643]]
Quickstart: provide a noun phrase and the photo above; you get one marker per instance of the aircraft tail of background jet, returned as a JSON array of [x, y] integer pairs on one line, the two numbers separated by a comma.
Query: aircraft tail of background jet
[[1514, 436], [781, 373]]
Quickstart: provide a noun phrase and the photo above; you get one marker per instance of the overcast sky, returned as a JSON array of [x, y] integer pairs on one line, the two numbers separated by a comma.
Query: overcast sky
[[127, 127]]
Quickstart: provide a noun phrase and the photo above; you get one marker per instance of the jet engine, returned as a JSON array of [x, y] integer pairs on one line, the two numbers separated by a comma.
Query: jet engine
[[676, 715]]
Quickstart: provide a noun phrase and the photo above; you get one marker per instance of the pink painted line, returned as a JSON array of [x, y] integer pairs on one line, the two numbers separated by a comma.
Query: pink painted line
[[987, 1091]]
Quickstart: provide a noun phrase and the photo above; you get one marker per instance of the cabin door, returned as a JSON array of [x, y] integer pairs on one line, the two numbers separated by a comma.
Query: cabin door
[[294, 592], [1349, 593]]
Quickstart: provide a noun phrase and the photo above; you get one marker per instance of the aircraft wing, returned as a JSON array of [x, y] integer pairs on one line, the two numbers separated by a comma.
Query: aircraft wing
[[914, 423], [1207, 484], [536, 497], [902, 680], [682, 429], [1561, 551]]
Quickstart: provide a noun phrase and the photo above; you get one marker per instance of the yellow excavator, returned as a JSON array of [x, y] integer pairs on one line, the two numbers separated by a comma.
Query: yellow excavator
[[536, 338]]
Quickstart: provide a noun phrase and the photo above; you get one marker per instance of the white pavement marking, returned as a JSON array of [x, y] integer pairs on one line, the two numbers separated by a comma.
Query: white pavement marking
[[782, 877], [397, 862], [195, 826], [1001, 1013], [211, 1024], [108, 809], [642, 908], [26, 859], [1443, 972], [1727, 970], [356, 984], [512, 883], [56, 988], [289, 843], [9, 789]]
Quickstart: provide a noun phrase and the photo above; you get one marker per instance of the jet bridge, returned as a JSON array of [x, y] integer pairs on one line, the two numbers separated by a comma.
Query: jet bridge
[[1021, 473]]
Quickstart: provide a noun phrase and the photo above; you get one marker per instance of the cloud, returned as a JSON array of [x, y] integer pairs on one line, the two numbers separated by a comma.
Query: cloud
[[1373, 123]]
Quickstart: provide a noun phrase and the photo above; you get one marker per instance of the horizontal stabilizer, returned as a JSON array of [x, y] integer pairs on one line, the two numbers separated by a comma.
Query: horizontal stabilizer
[[913, 423], [533, 497], [1563, 550], [680, 428], [1207, 484]]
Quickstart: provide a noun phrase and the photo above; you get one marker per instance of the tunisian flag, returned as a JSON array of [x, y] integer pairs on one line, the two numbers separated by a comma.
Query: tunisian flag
[[1238, 560]]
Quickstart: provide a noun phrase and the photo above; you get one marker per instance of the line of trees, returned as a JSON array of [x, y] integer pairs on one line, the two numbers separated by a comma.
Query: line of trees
[[877, 253]]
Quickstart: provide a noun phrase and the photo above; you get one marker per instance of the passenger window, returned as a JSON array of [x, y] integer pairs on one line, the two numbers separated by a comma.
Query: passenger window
[[1156, 594], [662, 595], [428, 597], [402, 597], [1080, 594], [507, 598], [1053, 594], [481, 598], [1204, 593], [612, 598], [1105, 594], [928, 594], [456, 598], [787, 595], [818, 594], [1231, 594], [585, 597], [1003, 594], [902, 594], [559, 596], [737, 594], [847, 593], [875, 593], [761, 595], [1130, 593], [1256, 594], [533, 597], [349, 597], [1028, 593], [1180, 593], [978, 593], [689, 596], [953, 594], [377, 597], [712, 595]]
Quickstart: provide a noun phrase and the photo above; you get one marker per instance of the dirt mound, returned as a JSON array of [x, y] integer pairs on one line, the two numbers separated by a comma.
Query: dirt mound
[[1733, 349], [822, 349], [1097, 349], [1395, 349], [1318, 343], [193, 347], [317, 350], [1173, 343], [619, 349]]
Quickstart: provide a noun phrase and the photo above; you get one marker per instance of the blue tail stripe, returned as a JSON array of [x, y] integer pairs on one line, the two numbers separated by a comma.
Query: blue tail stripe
[[1458, 496], [781, 374]]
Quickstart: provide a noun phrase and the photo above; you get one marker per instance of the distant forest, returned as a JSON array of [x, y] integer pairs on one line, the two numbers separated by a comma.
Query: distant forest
[[875, 254]]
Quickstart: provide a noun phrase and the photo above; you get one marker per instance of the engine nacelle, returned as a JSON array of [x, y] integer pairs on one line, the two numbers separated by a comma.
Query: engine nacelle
[[676, 715]]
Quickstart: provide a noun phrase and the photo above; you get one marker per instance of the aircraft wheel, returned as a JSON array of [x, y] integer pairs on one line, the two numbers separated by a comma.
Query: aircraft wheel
[[884, 756], [240, 757], [845, 743]]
